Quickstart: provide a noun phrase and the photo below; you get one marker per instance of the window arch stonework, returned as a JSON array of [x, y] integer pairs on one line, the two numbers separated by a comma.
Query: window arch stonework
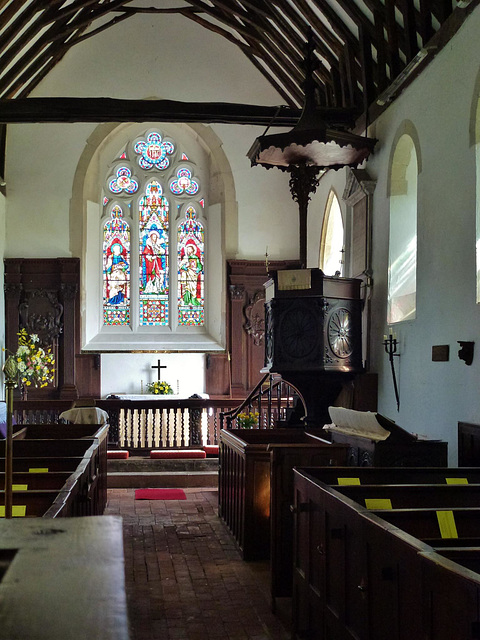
[[184, 183]]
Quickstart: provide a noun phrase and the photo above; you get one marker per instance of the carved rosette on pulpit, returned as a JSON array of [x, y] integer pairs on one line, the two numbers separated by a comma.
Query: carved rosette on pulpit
[[313, 335]]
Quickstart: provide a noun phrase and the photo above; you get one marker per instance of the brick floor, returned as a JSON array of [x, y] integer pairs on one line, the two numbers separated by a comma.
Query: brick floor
[[184, 576]]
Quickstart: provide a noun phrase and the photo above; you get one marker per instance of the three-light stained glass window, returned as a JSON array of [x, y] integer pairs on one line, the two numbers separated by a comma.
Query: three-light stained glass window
[[153, 202]]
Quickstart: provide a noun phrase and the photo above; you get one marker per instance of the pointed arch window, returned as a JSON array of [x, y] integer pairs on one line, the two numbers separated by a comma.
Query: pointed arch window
[[333, 238], [402, 260], [116, 269], [153, 205]]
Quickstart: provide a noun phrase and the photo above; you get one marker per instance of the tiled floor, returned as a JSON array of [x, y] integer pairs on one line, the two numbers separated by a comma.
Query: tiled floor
[[185, 578]]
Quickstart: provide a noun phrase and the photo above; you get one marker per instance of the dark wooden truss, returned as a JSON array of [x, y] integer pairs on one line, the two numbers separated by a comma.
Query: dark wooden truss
[[367, 50]]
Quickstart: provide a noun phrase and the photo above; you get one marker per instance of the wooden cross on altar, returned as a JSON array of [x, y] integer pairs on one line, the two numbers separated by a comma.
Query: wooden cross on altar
[[159, 366]]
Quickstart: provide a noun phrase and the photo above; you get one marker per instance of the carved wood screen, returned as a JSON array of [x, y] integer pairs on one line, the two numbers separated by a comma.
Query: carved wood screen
[[42, 296], [236, 372]]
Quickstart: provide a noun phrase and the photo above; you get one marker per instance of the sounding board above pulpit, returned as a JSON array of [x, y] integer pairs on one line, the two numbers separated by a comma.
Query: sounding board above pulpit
[[313, 334]]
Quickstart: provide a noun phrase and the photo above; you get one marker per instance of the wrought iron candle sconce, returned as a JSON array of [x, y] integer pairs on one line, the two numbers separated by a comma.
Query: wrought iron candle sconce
[[390, 344]]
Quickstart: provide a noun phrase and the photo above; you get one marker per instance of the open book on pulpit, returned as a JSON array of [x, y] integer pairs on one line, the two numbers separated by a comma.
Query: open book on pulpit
[[376, 440], [368, 424]]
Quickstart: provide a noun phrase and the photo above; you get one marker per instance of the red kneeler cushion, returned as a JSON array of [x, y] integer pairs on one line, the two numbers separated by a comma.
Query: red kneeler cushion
[[211, 449], [117, 455], [177, 453]]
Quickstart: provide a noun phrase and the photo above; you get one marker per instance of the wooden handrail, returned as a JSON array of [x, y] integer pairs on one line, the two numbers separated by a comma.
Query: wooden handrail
[[265, 387]]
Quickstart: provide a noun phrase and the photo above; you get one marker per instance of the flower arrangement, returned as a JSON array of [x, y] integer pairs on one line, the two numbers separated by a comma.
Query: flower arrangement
[[247, 420], [160, 388], [34, 364]]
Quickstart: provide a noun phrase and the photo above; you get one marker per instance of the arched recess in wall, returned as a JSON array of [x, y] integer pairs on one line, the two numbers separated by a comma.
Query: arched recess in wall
[[402, 255], [87, 219], [332, 242]]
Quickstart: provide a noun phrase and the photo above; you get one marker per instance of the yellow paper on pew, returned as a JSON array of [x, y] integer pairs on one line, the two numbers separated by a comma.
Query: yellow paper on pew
[[446, 522], [19, 487], [378, 503], [18, 510], [347, 481], [38, 470], [457, 480]]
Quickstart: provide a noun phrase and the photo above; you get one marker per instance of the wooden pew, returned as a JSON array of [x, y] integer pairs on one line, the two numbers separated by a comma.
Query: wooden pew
[[79, 450], [57, 431], [52, 480], [393, 475], [52, 464], [376, 574], [47, 448], [409, 496], [256, 492], [46, 503]]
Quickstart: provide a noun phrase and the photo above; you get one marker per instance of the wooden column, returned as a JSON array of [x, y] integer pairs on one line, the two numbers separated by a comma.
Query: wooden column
[[67, 388]]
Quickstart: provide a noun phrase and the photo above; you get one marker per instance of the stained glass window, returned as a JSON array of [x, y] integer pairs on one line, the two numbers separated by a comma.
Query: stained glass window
[[123, 181], [184, 183], [191, 276], [154, 272], [153, 152], [161, 296], [116, 269]]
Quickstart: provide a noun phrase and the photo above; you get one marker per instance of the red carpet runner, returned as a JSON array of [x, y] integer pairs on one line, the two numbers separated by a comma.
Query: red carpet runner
[[160, 494]]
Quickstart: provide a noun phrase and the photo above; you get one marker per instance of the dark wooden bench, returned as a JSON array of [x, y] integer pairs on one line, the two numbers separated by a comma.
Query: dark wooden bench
[[376, 574], [392, 475], [82, 454], [36, 503], [409, 496], [256, 491], [47, 448], [51, 480], [56, 431]]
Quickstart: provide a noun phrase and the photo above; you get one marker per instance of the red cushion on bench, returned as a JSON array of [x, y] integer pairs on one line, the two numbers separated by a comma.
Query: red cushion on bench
[[211, 449], [177, 453], [123, 455]]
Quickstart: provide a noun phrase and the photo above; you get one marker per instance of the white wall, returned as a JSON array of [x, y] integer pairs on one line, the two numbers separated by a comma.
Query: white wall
[[131, 374], [434, 396]]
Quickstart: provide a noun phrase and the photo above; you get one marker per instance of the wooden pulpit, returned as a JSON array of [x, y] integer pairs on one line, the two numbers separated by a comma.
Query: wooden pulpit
[[313, 335]]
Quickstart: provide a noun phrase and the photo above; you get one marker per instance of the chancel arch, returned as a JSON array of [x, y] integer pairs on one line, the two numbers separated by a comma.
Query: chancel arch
[[195, 216], [402, 258], [332, 243]]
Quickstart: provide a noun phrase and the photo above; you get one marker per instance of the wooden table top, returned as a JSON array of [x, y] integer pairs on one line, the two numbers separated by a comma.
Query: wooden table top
[[66, 580]]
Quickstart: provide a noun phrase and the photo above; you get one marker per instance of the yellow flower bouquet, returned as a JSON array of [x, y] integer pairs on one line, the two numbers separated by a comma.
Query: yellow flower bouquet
[[247, 420], [34, 364], [159, 388]]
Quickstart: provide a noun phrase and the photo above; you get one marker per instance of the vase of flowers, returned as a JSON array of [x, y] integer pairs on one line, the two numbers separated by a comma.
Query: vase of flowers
[[247, 420], [159, 388], [35, 365]]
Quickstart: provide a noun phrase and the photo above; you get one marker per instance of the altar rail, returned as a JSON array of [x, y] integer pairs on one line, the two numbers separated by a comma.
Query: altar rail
[[141, 425]]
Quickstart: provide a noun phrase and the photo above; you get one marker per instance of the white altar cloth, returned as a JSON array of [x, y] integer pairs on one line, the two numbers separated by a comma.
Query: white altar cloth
[[155, 396], [85, 415]]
